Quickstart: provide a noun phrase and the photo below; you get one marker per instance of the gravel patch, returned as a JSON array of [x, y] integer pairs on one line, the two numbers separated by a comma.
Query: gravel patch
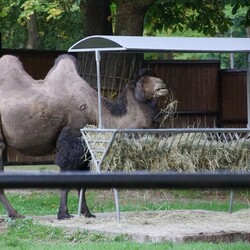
[[159, 226]]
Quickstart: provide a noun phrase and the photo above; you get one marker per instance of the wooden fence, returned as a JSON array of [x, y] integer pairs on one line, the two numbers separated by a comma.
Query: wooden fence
[[196, 87], [233, 98], [207, 96], [37, 63]]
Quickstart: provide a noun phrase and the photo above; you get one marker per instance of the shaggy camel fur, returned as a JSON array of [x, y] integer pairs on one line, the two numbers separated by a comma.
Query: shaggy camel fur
[[40, 117]]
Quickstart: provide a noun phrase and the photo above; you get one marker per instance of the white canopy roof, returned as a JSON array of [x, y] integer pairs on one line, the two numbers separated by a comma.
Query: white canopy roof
[[174, 44]]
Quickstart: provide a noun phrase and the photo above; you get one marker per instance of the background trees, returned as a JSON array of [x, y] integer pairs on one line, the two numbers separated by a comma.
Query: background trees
[[57, 24], [39, 23]]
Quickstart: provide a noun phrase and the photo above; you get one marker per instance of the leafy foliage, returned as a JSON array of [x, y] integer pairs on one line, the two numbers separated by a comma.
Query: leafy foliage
[[206, 17], [236, 17], [13, 34], [59, 22], [239, 5]]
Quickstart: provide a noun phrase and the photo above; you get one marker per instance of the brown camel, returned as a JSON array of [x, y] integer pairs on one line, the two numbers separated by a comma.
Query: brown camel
[[39, 117]]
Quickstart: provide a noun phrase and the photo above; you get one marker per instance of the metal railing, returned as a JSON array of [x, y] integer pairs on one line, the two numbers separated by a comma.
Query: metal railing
[[78, 179]]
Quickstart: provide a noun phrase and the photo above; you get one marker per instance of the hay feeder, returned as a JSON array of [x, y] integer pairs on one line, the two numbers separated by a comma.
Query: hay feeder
[[174, 150]]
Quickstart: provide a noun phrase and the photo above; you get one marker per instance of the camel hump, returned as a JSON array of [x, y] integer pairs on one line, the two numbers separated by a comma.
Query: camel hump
[[65, 60], [9, 58], [64, 64], [12, 72], [9, 61], [65, 57]]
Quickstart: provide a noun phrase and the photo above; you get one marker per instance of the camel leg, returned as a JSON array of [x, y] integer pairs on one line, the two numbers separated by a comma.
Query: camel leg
[[12, 213], [69, 158], [9, 209], [84, 208], [63, 212]]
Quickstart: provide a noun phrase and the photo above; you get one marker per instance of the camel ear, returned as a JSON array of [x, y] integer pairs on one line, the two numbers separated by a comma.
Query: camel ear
[[144, 72]]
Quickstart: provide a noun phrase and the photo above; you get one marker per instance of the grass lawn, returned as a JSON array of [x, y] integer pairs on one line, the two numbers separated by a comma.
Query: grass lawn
[[46, 202], [42, 202], [25, 234]]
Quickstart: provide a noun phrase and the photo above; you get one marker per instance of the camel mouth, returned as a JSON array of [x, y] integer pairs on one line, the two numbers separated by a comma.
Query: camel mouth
[[161, 92]]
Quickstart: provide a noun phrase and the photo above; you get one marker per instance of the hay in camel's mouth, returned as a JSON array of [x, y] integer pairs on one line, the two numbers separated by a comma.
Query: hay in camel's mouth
[[160, 89], [161, 92]]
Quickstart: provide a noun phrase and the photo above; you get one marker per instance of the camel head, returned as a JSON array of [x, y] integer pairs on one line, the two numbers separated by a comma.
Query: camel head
[[149, 87]]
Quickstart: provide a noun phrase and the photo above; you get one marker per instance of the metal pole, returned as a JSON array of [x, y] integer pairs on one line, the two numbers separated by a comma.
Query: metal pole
[[231, 54], [117, 205], [231, 201], [248, 90], [98, 59], [78, 179], [80, 202]]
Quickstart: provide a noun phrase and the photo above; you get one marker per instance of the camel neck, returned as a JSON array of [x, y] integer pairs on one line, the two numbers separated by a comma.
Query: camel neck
[[126, 112]]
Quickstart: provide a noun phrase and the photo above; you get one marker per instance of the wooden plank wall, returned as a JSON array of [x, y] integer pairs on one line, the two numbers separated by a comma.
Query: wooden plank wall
[[37, 63], [196, 87], [233, 98], [207, 97]]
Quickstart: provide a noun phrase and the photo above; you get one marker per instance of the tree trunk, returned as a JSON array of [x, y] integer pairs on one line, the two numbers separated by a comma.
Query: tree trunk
[[130, 17], [248, 31], [96, 17], [116, 69], [33, 36]]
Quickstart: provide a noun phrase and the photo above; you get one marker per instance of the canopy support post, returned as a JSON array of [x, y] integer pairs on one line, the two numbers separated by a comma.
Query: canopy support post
[[248, 90], [98, 59], [100, 125]]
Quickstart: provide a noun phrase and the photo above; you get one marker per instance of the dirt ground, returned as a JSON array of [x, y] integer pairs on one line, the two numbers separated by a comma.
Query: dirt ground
[[159, 226], [175, 226]]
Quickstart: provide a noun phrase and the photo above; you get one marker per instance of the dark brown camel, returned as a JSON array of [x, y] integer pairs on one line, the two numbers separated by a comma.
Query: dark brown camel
[[39, 117]]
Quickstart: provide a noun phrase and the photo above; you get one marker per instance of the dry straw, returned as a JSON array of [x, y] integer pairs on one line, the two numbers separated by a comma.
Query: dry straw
[[176, 152], [169, 111]]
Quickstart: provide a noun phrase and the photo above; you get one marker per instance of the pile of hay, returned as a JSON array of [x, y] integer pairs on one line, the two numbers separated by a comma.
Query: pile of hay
[[177, 152]]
